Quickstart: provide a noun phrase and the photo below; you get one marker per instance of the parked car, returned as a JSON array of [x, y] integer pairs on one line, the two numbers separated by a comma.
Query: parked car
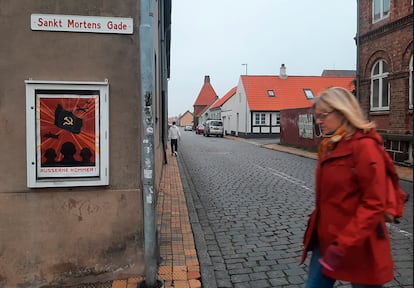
[[200, 129], [188, 128], [214, 127]]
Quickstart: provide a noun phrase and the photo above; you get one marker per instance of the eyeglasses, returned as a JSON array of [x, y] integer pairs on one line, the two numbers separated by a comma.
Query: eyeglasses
[[322, 116]]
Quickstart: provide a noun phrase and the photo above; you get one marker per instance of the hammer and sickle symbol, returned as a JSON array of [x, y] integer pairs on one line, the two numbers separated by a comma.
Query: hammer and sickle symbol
[[68, 121]]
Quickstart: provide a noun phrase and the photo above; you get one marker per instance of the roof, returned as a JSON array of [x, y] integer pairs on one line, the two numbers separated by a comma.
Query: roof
[[288, 92], [339, 73], [223, 99], [185, 113], [207, 94], [205, 98]]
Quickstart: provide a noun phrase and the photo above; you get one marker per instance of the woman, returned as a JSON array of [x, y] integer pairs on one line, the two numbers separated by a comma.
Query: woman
[[346, 231]]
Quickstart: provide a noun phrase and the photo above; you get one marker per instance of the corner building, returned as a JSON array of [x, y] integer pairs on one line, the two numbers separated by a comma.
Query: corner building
[[72, 119], [385, 72]]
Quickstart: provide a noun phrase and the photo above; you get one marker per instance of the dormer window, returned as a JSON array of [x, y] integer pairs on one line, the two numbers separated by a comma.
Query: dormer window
[[308, 93], [270, 93]]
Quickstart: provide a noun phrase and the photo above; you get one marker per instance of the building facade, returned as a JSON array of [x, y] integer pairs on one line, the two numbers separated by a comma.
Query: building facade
[[73, 105], [385, 72], [186, 119]]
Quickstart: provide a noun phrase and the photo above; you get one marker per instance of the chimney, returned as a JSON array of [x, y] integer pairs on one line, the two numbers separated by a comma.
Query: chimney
[[283, 74], [206, 79]]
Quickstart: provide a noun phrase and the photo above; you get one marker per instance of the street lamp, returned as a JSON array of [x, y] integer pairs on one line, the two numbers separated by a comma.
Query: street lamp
[[245, 90]]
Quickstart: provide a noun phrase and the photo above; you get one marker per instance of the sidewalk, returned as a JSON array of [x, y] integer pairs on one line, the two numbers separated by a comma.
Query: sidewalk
[[179, 267]]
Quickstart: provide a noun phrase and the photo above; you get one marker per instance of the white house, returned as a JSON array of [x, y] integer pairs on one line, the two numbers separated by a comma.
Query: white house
[[252, 108]]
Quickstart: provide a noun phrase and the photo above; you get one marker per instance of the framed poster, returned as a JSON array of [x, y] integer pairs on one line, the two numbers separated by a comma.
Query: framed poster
[[67, 133]]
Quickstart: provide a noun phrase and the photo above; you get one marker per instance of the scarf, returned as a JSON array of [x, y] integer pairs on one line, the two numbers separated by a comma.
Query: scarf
[[330, 141]]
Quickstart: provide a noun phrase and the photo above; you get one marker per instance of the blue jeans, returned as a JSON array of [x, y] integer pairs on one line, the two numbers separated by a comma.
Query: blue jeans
[[317, 280]]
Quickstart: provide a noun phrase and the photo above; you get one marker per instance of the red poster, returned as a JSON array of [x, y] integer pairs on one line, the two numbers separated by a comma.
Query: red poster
[[67, 128]]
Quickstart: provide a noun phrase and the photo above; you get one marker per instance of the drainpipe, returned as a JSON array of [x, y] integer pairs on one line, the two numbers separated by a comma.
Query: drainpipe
[[357, 40], [146, 50], [165, 30]]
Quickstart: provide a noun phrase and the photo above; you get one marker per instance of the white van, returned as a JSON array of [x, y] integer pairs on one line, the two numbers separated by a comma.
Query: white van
[[214, 127]]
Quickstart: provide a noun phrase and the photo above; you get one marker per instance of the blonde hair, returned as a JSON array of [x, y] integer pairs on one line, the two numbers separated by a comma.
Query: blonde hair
[[344, 102]]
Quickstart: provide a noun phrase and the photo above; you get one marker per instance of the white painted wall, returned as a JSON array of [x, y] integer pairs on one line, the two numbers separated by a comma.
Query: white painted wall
[[233, 112], [215, 113], [274, 119]]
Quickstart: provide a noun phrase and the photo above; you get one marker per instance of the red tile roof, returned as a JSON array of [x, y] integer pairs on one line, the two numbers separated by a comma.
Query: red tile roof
[[206, 97], [289, 91], [223, 99]]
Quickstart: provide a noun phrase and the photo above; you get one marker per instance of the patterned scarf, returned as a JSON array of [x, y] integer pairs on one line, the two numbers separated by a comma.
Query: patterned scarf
[[330, 141]]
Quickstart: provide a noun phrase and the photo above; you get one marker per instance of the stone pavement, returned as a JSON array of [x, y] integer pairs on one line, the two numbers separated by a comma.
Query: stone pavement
[[179, 267]]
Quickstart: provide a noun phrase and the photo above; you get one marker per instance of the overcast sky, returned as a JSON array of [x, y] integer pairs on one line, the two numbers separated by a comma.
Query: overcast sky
[[216, 37]]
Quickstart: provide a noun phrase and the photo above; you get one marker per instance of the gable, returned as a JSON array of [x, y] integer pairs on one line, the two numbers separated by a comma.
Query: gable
[[187, 116]]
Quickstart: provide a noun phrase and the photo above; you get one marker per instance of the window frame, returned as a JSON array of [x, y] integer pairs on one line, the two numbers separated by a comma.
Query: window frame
[[259, 118], [382, 12], [278, 118], [308, 93], [381, 76]]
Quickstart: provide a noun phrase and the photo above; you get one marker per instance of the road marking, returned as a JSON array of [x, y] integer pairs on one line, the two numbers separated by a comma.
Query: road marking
[[394, 228], [286, 177]]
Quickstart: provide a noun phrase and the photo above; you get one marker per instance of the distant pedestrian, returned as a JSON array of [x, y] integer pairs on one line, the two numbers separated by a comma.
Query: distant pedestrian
[[174, 135], [346, 232]]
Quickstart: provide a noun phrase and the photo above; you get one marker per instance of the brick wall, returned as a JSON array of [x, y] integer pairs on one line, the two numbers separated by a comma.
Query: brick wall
[[390, 39]]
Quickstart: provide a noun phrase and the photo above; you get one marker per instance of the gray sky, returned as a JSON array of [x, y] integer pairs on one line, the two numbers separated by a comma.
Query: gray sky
[[216, 37]]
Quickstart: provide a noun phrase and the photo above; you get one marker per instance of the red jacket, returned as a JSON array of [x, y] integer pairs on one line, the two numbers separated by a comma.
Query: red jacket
[[349, 211]]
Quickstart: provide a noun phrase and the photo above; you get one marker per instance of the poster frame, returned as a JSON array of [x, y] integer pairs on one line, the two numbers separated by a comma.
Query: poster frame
[[70, 175]]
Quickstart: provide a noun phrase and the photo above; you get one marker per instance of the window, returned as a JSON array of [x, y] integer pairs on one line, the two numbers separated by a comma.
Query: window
[[271, 93], [410, 85], [308, 93], [260, 119], [379, 87], [380, 9], [216, 123], [277, 118]]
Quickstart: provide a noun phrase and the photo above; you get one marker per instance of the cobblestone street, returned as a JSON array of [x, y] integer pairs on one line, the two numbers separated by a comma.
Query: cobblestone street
[[248, 209]]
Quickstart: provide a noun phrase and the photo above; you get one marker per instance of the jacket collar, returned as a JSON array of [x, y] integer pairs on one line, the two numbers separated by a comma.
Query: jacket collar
[[344, 146]]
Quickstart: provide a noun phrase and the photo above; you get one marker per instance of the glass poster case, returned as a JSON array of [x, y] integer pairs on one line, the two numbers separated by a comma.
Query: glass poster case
[[67, 133]]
